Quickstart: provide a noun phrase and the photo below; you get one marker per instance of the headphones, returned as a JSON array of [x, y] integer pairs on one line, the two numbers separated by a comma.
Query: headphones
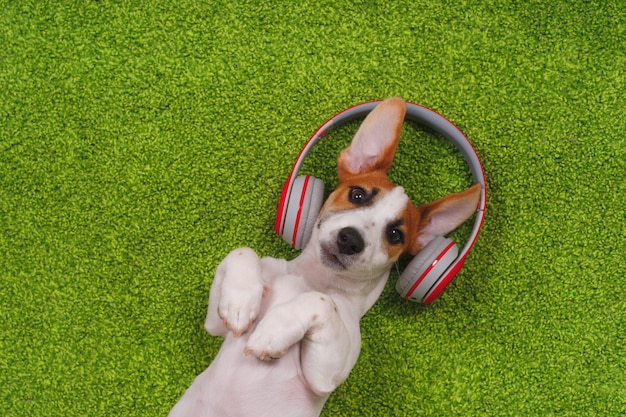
[[435, 266]]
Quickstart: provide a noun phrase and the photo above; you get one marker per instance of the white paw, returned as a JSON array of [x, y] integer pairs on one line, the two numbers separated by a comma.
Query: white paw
[[275, 334], [238, 317], [238, 308], [241, 291]]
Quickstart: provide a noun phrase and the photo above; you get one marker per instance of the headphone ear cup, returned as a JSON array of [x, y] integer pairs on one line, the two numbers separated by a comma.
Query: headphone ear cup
[[302, 207], [426, 268]]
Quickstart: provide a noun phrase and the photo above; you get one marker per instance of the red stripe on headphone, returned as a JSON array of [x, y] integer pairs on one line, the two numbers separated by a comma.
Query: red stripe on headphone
[[442, 284], [297, 223], [280, 221], [432, 265]]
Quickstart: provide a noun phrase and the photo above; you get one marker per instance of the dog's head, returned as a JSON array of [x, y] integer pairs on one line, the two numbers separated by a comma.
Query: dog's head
[[368, 222]]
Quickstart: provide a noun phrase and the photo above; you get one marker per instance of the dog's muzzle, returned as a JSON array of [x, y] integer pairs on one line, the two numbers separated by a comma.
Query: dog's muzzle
[[338, 254]]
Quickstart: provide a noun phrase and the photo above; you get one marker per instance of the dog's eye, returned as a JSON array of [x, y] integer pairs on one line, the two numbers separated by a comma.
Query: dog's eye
[[395, 236], [356, 195]]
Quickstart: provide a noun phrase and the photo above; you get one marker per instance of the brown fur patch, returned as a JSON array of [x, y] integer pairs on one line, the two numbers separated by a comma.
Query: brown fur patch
[[338, 199]]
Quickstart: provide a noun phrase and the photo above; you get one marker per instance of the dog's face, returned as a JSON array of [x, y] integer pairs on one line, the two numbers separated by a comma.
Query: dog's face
[[368, 222], [364, 227]]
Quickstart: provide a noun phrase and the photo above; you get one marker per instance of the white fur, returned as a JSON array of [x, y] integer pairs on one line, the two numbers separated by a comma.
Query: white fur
[[298, 321]]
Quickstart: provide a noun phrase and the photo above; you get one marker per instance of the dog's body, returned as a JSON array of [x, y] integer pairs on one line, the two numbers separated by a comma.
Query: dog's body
[[291, 328]]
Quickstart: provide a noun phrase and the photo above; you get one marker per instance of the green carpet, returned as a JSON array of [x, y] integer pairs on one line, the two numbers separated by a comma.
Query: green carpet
[[141, 141]]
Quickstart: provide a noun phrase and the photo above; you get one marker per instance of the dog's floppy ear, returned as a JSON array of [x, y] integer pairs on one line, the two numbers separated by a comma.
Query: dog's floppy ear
[[375, 142], [444, 215]]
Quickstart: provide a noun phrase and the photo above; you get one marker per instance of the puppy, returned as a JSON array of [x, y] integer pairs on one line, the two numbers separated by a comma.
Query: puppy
[[291, 328]]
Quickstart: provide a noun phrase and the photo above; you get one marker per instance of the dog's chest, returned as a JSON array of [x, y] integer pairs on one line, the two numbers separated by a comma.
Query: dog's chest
[[269, 385]]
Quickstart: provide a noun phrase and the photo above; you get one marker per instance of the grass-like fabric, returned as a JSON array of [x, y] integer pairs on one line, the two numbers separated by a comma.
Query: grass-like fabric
[[141, 141]]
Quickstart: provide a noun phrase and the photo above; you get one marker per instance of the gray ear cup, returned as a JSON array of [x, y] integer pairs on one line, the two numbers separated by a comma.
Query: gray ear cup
[[303, 206], [426, 268]]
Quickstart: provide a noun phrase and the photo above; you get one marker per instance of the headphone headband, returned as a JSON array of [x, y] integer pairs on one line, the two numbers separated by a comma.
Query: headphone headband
[[423, 116]]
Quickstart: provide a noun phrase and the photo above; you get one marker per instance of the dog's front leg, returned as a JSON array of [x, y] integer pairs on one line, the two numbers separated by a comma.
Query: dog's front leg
[[313, 318], [236, 293]]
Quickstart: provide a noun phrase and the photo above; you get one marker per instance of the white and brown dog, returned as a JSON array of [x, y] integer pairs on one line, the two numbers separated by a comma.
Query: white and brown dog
[[291, 328]]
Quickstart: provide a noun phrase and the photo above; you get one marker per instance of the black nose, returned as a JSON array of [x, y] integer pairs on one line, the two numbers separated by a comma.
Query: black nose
[[349, 241]]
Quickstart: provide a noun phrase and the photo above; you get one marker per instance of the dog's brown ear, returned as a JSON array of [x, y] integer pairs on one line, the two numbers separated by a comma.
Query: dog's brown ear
[[444, 215], [375, 142]]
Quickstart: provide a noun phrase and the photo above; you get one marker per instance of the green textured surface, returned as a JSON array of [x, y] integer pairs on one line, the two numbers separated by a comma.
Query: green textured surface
[[142, 141]]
